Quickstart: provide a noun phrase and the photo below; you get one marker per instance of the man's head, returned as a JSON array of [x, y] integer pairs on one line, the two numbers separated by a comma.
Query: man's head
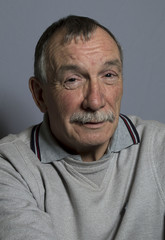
[[78, 82]]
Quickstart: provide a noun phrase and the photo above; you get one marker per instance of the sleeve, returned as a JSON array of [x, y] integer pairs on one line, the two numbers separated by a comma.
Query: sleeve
[[20, 215]]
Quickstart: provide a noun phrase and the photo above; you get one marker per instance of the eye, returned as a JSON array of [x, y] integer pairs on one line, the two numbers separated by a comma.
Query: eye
[[73, 82], [110, 77]]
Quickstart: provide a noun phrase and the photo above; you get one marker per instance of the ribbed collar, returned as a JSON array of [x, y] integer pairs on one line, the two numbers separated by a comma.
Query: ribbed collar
[[47, 148]]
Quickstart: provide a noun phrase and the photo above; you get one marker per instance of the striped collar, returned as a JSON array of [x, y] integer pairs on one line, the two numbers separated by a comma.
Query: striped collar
[[47, 148], [131, 129]]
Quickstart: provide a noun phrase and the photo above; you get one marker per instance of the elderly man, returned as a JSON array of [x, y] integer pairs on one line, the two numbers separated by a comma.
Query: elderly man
[[87, 171]]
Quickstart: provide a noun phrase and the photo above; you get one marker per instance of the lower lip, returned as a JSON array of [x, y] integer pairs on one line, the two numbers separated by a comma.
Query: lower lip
[[94, 125]]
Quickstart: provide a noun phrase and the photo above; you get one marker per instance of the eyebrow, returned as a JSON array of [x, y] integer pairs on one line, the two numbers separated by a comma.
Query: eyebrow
[[76, 68], [69, 67], [114, 62]]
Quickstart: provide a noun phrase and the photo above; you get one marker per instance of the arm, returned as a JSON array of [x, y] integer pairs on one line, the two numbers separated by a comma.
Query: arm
[[20, 215]]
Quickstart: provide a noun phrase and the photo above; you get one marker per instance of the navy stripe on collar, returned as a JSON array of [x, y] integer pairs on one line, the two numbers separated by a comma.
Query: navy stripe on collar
[[131, 129], [35, 140]]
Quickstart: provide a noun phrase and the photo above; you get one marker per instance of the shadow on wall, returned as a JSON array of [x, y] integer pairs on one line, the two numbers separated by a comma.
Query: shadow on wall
[[4, 129], [17, 114]]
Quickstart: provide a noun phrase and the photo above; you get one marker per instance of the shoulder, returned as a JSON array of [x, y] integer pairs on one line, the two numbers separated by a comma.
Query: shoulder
[[152, 135], [16, 154], [15, 146], [10, 139], [145, 123], [148, 128]]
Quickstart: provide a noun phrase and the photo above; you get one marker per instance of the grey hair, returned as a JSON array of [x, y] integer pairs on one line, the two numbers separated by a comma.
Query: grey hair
[[74, 27]]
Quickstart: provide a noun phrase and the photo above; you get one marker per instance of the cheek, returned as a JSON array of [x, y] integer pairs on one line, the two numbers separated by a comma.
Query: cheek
[[114, 96], [68, 103], [119, 94]]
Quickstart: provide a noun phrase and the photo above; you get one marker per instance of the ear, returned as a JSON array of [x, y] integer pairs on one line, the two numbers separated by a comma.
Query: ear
[[36, 89]]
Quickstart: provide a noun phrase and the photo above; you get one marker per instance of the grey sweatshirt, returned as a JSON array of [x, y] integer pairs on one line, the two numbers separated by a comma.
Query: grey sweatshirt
[[48, 194]]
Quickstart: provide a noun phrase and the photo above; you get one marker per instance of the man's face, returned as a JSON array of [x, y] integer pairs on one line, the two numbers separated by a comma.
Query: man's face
[[87, 80]]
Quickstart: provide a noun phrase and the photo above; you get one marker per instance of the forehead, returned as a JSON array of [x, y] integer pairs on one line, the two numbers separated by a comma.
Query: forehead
[[100, 47]]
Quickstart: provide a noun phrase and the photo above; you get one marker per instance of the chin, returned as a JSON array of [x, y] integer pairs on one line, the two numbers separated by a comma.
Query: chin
[[94, 141]]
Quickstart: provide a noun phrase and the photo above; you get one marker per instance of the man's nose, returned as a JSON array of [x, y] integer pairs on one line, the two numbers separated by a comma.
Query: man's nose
[[94, 97]]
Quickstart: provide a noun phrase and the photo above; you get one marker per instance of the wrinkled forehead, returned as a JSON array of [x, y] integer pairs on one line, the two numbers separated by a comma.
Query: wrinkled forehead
[[99, 48], [60, 41]]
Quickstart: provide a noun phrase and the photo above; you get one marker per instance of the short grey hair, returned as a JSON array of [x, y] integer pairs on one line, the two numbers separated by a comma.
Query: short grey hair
[[74, 26]]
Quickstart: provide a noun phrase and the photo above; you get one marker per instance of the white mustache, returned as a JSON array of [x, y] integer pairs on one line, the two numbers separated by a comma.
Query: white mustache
[[94, 117]]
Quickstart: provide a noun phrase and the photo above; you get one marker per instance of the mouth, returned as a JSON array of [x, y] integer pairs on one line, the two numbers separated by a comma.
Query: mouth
[[93, 125]]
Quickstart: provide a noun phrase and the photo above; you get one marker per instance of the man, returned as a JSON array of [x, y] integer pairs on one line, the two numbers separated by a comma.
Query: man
[[85, 172]]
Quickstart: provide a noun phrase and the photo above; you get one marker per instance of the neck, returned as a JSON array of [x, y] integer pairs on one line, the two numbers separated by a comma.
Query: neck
[[93, 154]]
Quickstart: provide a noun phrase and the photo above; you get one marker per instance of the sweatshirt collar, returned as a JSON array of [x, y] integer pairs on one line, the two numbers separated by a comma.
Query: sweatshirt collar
[[47, 148]]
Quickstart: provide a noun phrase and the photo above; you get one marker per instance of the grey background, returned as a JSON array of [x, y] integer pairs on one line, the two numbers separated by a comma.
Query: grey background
[[139, 26]]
